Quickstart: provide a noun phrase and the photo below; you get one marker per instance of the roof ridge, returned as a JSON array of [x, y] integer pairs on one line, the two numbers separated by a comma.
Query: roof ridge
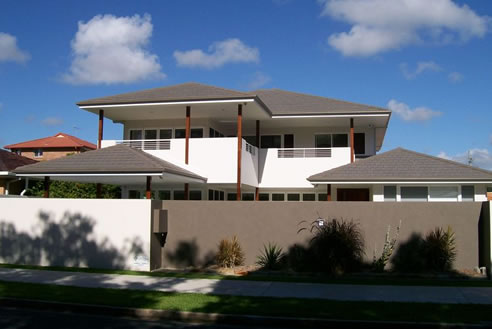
[[218, 88], [155, 160], [323, 97], [78, 141], [72, 138]]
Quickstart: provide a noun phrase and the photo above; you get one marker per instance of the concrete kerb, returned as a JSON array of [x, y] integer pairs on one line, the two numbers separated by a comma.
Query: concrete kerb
[[217, 318]]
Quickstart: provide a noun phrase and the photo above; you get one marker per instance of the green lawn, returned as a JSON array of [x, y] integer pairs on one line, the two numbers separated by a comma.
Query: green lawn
[[288, 307], [348, 279]]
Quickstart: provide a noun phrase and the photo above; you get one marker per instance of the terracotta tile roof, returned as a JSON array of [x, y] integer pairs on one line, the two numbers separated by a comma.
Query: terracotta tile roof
[[118, 159], [9, 161], [403, 165], [275, 101], [60, 140]]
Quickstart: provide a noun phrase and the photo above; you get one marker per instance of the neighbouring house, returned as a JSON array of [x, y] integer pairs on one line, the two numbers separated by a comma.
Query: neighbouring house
[[52, 147], [9, 183], [264, 145]]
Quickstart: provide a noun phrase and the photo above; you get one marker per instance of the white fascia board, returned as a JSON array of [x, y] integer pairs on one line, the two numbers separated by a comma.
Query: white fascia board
[[241, 100], [6, 173], [87, 175], [190, 179], [403, 182], [330, 116]]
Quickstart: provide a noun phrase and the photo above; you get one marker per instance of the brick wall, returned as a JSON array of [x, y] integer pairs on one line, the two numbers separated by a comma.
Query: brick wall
[[48, 154]]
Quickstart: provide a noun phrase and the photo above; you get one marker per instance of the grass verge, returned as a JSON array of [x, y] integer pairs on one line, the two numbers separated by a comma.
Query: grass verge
[[348, 279], [287, 307]]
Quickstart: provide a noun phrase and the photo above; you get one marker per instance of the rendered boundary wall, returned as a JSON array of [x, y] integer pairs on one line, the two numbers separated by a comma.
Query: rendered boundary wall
[[94, 233], [196, 227]]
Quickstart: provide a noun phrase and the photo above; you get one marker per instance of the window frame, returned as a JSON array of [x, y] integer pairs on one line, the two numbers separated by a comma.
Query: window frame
[[384, 193], [432, 199], [405, 186], [38, 153]]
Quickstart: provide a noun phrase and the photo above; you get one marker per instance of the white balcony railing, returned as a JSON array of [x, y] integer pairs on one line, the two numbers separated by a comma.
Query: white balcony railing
[[304, 153], [147, 144]]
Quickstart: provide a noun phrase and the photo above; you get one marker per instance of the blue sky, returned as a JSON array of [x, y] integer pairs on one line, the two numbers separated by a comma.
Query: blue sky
[[430, 61]]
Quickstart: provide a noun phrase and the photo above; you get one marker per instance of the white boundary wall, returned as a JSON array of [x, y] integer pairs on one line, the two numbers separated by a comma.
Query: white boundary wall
[[76, 232]]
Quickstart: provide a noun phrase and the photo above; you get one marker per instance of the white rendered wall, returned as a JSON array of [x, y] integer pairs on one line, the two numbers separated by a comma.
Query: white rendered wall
[[480, 192], [249, 166], [76, 232], [377, 193], [293, 172]]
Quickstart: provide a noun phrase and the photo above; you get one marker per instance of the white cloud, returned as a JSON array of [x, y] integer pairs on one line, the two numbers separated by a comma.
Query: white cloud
[[479, 158], [455, 77], [421, 68], [109, 49], [381, 25], [52, 121], [9, 51], [219, 54], [416, 114], [259, 80]]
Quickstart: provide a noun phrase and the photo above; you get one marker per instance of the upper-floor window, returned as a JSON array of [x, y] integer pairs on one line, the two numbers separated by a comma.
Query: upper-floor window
[[331, 140], [150, 134], [360, 143], [214, 133], [194, 133], [271, 141], [165, 133], [38, 153], [135, 134]]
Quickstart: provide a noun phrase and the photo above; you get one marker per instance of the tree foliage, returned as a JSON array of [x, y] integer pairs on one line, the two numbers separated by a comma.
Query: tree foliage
[[73, 190]]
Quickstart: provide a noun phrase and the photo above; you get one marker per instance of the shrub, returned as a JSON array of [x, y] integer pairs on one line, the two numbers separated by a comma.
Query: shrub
[[271, 257], [337, 247], [436, 252], [380, 263], [439, 250], [230, 253], [298, 258]]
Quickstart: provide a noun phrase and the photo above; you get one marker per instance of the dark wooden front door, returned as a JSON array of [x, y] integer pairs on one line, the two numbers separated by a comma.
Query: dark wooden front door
[[353, 194]]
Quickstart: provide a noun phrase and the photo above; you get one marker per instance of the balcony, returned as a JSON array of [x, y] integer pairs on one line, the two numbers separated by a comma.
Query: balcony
[[289, 168], [216, 159]]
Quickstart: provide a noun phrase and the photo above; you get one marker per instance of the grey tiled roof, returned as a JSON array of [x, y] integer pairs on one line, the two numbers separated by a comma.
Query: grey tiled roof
[[119, 159], [403, 165], [182, 92], [275, 101], [281, 102]]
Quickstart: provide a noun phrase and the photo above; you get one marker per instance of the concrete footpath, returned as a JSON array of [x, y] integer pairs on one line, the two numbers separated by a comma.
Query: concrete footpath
[[341, 292]]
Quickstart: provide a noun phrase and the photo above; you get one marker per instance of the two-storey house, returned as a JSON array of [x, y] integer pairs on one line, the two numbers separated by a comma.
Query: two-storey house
[[259, 145]]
